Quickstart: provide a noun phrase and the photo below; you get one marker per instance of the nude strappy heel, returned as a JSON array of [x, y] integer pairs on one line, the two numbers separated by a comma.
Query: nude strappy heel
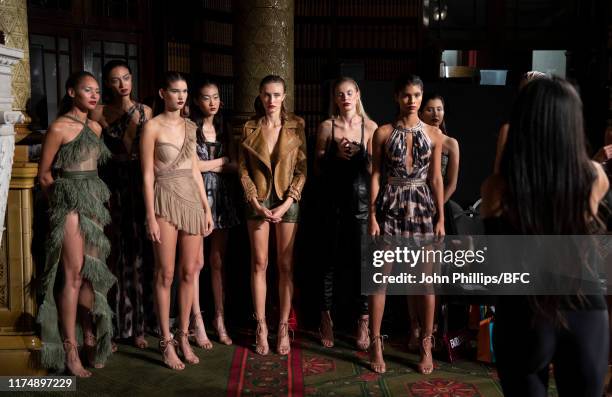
[[191, 358], [326, 341], [283, 332], [219, 325], [261, 344], [72, 348], [427, 343], [363, 333], [379, 368], [164, 346]]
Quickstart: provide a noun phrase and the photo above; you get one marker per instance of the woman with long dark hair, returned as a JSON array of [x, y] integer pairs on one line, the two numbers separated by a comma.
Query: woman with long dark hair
[[406, 191], [547, 185], [218, 170], [77, 247], [272, 170], [122, 119], [343, 150], [178, 214]]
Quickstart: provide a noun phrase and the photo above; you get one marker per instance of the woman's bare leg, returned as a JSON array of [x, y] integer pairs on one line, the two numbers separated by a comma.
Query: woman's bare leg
[[196, 312], [259, 233], [285, 239], [190, 249], [218, 247], [72, 260], [165, 253], [376, 306], [427, 307]]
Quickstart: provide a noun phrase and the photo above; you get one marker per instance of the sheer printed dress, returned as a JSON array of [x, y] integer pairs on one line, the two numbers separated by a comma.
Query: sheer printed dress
[[130, 250], [78, 189]]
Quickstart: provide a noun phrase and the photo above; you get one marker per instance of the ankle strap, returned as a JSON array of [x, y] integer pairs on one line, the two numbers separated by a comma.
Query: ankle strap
[[381, 339]]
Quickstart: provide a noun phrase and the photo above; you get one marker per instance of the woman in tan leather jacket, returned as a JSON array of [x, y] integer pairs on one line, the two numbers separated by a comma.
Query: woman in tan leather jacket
[[272, 170]]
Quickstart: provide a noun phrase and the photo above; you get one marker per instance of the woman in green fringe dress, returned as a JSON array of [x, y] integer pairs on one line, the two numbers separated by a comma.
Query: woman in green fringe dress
[[76, 279]]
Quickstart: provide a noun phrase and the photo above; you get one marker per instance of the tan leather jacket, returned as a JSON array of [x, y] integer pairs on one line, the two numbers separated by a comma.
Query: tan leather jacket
[[254, 163]]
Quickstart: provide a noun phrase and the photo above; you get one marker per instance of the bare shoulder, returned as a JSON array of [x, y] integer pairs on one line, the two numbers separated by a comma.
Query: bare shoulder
[[147, 111], [492, 192], [151, 126], [58, 129], [325, 127], [434, 133], [451, 144], [95, 127], [601, 183], [370, 125]]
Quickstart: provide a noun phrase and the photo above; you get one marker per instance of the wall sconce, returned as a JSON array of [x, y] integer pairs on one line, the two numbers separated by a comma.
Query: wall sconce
[[440, 12]]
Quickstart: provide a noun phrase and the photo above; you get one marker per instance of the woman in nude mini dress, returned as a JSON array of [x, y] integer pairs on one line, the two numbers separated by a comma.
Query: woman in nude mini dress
[[177, 211]]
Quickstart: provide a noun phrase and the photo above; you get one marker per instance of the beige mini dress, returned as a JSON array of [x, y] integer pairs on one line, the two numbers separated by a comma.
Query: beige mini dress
[[176, 195]]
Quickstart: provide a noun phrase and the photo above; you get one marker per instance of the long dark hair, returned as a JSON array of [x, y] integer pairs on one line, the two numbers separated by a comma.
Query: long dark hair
[[107, 93], [260, 111], [545, 165], [73, 82], [549, 178], [431, 97], [196, 115]]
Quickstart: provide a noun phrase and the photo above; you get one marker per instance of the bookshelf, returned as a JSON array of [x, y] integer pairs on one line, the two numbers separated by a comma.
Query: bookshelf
[[203, 47], [382, 38]]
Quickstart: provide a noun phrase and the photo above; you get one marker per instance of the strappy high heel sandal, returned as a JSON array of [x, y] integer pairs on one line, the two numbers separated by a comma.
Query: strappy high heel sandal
[[427, 344], [363, 333], [327, 339], [71, 349], [90, 345], [283, 332], [261, 343], [219, 325], [188, 354], [378, 367], [164, 346], [204, 342]]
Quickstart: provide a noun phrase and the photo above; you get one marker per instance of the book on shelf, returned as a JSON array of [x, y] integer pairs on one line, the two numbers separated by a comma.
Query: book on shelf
[[217, 33], [217, 64], [359, 8], [218, 5], [178, 57]]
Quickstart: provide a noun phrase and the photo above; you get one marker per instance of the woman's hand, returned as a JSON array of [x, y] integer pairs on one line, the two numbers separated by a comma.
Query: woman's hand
[[261, 210], [345, 149], [210, 225], [153, 232], [279, 212], [373, 228], [439, 231]]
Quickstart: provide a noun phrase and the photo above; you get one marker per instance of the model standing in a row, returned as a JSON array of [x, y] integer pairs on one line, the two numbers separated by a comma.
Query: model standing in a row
[[343, 150], [77, 247], [406, 192], [177, 211], [272, 170], [122, 120], [213, 146]]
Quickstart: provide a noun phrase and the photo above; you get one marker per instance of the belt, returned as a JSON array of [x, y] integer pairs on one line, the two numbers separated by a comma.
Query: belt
[[78, 174], [399, 181]]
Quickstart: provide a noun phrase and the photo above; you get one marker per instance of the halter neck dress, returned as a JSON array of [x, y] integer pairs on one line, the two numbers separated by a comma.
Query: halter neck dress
[[77, 190]]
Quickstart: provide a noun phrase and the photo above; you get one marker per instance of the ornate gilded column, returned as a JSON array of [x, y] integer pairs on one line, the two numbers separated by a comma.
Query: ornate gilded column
[[14, 24], [263, 34], [18, 341]]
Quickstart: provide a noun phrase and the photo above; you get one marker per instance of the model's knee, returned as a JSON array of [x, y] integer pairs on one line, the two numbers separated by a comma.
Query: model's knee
[[285, 267], [188, 275], [259, 265], [215, 262], [164, 278]]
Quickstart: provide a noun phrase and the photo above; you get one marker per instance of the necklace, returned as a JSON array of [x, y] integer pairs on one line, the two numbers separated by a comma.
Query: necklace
[[417, 127]]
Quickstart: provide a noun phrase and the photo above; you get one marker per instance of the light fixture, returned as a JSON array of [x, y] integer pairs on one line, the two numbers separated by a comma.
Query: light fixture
[[440, 12]]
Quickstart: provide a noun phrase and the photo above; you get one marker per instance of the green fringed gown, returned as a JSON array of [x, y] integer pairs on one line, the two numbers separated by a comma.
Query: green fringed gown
[[78, 189]]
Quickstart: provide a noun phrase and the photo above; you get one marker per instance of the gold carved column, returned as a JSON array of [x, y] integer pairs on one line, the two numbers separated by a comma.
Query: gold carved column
[[14, 24], [263, 45], [18, 342]]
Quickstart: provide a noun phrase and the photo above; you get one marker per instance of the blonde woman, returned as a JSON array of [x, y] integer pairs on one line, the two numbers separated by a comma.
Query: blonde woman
[[343, 149]]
